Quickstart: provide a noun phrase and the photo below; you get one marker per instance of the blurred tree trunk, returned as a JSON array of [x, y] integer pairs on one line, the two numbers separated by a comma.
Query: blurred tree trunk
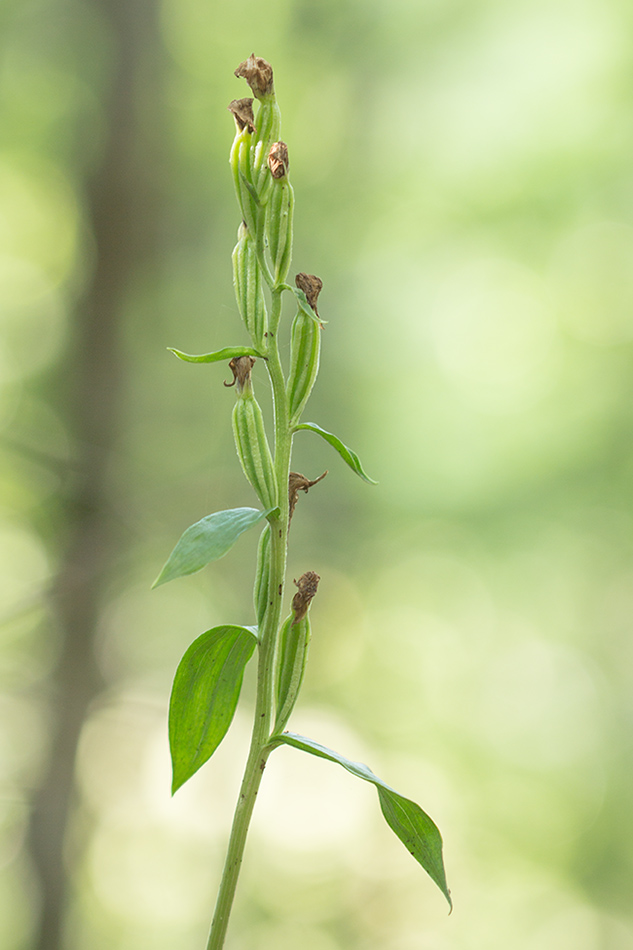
[[121, 211]]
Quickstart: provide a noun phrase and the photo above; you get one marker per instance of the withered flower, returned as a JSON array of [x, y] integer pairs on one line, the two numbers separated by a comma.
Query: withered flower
[[241, 367], [258, 74], [297, 483], [307, 588], [242, 110], [278, 159], [311, 286]]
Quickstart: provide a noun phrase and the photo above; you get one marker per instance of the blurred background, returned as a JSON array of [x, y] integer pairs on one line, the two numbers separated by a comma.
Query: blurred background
[[464, 188]]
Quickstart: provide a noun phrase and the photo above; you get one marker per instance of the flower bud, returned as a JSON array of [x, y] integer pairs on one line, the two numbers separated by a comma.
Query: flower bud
[[249, 290]]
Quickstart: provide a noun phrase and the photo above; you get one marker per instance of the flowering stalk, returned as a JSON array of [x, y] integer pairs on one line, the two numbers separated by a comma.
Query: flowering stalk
[[209, 677]]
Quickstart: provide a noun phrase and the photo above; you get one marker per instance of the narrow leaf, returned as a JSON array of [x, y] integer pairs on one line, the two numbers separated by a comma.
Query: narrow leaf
[[346, 454], [416, 830], [251, 190], [204, 696], [302, 301], [228, 353], [208, 540]]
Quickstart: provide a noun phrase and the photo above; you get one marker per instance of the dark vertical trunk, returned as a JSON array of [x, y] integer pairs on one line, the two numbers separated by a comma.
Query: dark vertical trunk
[[121, 211]]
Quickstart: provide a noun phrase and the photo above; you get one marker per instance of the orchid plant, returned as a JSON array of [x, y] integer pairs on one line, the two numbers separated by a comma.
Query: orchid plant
[[207, 683]]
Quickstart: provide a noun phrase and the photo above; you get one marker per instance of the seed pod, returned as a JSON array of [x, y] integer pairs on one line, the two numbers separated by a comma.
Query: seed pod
[[262, 577], [249, 291], [242, 178], [267, 132], [293, 653], [279, 227], [305, 346], [252, 448]]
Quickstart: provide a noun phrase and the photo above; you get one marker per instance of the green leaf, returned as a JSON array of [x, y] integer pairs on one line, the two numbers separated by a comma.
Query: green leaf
[[228, 353], [416, 830], [346, 454], [204, 696], [208, 540], [251, 190]]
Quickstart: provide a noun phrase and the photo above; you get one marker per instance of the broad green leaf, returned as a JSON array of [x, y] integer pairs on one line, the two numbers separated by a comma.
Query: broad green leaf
[[346, 454], [208, 540], [228, 353], [204, 696], [416, 830]]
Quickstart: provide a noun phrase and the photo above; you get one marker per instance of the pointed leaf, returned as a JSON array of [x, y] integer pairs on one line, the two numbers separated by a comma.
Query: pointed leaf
[[204, 696], [416, 830], [346, 454], [228, 353], [302, 301], [208, 540], [251, 190]]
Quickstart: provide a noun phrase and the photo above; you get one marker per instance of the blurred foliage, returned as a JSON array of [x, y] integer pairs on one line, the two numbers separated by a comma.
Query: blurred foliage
[[464, 189]]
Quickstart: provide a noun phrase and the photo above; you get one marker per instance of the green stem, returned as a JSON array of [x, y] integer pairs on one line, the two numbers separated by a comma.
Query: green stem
[[269, 632]]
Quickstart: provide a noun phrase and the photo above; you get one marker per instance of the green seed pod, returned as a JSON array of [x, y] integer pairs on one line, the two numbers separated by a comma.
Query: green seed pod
[[294, 638], [305, 346], [262, 577], [279, 227], [242, 178], [252, 448], [249, 291], [267, 131]]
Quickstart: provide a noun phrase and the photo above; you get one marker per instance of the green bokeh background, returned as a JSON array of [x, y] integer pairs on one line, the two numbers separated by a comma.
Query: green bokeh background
[[464, 187]]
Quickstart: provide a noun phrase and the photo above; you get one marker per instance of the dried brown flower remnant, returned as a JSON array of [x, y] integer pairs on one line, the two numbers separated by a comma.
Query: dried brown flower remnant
[[241, 367], [258, 74], [297, 483], [311, 286], [242, 110], [307, 588], [278, 159]]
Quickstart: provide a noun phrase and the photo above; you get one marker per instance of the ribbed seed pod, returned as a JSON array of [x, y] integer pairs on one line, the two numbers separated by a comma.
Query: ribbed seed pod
[[249, 290], [267, 131], [252, 448], [305, 346], [262, 577], [293, 649], [240, 166], [279, 227]]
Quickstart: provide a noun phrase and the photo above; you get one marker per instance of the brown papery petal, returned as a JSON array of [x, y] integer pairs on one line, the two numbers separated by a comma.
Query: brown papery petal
[[242, 110], [258, 74]]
